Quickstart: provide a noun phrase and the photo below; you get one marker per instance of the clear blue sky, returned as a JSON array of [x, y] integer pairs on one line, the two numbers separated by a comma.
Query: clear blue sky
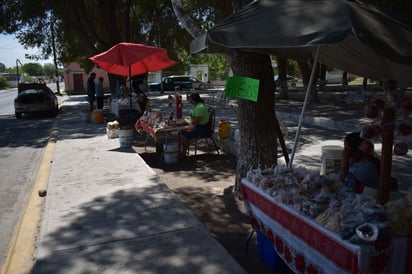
[[10, 50]]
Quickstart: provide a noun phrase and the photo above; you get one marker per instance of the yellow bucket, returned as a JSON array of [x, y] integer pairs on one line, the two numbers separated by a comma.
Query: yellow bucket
[[98, 116], [223, 129]]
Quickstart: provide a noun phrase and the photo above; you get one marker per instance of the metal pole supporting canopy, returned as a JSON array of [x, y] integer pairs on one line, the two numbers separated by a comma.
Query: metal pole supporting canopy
[[308, 88]]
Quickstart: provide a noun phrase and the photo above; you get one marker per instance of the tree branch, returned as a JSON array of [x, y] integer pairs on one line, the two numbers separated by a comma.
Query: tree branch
[[193, 29]]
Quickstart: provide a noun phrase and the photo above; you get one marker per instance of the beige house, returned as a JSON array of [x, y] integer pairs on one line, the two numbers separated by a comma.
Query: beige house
[[75, 79]]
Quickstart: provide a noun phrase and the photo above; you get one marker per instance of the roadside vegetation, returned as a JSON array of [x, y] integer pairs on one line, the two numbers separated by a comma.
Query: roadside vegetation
[[3, 83]]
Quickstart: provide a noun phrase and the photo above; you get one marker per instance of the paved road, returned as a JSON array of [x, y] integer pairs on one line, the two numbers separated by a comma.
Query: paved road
[[6, 101], [21, 145]]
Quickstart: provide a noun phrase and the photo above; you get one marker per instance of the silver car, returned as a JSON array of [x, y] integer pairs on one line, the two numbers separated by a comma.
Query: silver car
[[291, 81], [197, 84]]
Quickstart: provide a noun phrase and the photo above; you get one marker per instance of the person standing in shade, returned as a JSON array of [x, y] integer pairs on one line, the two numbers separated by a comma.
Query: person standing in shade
[[100, 93], [91, 90]]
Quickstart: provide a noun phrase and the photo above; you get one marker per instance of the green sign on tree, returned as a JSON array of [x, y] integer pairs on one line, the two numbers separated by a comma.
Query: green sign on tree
[[242, 87]]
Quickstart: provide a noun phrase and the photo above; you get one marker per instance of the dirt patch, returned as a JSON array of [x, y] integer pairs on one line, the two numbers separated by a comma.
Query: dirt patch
[[204, 183]]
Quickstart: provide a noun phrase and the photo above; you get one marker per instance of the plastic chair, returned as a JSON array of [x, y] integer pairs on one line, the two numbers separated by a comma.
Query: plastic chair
[[220, 99], [210, 132]]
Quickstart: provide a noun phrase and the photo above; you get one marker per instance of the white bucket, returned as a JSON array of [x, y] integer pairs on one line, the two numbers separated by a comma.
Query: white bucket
[[331, 160], [125, 137], [171, 153]]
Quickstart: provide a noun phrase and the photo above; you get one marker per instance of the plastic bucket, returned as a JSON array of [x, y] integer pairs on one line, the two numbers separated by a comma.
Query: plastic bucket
[[223, 129], [125, 137], [98, 116], [171, 153], [331, 160]]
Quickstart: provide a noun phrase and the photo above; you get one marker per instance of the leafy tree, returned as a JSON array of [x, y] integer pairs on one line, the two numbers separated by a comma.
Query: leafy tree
[[84, 28], [282, 65], [49, 70], [2, 67], [218, 66], [258, 145], [256, 121], [31, 22], [11, 70], [33, 69], [3, 82]]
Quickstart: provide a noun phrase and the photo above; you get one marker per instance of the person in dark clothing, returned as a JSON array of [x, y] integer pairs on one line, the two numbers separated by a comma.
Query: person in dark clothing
[[142, 100], [100, 93], [91, 90]]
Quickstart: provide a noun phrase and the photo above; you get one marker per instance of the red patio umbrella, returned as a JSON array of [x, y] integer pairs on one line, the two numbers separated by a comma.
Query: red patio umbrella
[[130, 59]]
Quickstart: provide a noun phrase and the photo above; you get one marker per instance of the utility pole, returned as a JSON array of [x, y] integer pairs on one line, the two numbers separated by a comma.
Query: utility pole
[[17, 71], [54, 54]]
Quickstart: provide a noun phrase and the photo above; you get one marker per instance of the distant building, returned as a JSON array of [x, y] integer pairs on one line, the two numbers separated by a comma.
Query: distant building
[[12, 78], [75, 78]]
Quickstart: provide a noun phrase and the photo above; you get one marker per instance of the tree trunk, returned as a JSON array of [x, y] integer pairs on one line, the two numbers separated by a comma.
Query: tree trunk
[[258, 145], [345, 78], [306, 72], [365, 83], [322, 77], [283, 86]]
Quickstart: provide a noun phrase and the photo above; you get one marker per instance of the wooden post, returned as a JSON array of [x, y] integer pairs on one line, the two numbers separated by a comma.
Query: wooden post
[[281, 141], [388, 126]]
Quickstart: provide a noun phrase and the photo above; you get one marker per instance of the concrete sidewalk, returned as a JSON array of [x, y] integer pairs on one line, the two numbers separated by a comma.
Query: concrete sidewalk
[[106, 211]]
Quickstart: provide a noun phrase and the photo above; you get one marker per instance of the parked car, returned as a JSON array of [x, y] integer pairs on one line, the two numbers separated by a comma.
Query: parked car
[[291, 81], [197, 84], [35, 98], [334, 77], [185, 82]]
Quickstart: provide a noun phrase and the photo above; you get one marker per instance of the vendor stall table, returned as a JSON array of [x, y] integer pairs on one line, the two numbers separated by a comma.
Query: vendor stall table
[[307, 247], [158, 132], [116, 106]]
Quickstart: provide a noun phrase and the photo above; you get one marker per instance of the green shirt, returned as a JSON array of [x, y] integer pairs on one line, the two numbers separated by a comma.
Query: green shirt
[[199, 110]]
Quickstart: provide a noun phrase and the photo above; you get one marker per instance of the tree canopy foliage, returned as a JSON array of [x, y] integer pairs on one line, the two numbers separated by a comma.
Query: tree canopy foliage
[[84, 28], [33, 69]]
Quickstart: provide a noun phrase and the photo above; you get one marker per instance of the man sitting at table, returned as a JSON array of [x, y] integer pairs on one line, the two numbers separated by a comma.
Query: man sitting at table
[[199, 117]]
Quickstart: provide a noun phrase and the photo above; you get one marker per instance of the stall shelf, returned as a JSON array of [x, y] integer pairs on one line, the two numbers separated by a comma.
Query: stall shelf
[[118, 105], [307, 247]]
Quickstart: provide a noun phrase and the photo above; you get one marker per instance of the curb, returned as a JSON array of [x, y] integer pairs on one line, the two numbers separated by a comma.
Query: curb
[[21, 255]]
